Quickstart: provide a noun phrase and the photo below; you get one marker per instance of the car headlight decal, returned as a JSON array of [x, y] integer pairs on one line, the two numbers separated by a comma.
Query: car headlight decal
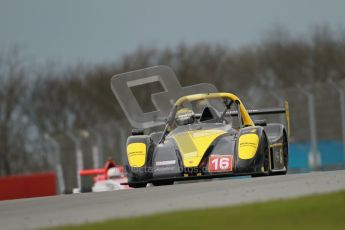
[[136, 153], [247, 146]]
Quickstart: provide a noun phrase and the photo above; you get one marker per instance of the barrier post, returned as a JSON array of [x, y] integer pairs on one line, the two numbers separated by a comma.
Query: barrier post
[[57, 163], [78, 155], [342, 112], [314, 159]]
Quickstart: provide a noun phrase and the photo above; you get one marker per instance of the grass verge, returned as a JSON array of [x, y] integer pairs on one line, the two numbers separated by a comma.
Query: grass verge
[[313, 212]]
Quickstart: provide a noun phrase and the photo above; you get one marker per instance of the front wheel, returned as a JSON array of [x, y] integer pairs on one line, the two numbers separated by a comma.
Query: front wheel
[[264, 149], [137, 185], [163, 182]]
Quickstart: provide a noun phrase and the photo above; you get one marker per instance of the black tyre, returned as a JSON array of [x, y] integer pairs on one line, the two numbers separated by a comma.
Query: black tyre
[[137, 185], [163, 182], [264, 149], [86, 184]]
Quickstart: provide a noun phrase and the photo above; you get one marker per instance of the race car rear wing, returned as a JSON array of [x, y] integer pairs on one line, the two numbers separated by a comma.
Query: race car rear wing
[[101, 171], [271, 111]]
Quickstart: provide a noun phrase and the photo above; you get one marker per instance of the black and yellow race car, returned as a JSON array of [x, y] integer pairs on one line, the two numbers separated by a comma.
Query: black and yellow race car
[[207, 135]]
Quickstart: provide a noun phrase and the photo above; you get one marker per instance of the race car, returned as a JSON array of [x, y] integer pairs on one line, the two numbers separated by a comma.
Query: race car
[[206, 135], [110, 177]]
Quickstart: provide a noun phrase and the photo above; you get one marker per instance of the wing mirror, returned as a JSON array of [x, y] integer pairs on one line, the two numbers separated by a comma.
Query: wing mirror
[[260, 123]]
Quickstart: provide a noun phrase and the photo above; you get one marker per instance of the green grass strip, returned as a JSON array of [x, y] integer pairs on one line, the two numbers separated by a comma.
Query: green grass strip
[[313, 212]]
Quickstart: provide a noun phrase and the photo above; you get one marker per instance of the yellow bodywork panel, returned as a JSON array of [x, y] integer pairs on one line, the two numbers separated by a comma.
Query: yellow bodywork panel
[[193, 144], [247, 146], [136, 153]]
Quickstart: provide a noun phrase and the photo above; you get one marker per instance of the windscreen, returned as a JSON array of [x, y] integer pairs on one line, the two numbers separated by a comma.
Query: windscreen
[[127, 86], [198, 106]]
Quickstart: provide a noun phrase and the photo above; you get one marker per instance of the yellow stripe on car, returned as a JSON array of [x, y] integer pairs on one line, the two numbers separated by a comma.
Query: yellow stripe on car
[[193, 144], [136, 153]]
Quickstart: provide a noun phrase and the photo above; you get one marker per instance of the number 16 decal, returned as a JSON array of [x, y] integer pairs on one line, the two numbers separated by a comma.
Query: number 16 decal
[[220, 163]]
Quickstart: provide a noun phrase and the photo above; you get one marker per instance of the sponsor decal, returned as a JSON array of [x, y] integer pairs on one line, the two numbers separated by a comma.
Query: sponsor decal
[[163, 163], [167, 168]]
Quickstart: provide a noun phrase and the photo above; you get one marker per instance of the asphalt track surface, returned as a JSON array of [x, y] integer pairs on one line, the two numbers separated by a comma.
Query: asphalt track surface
[[81, 208]]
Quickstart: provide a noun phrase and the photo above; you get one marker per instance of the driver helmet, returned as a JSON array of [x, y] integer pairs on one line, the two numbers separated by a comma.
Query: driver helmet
[[113, 173], [184, 116]]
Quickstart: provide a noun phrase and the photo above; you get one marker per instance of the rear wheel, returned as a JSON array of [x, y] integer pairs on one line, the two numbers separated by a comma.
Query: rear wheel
[[285, 156]]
